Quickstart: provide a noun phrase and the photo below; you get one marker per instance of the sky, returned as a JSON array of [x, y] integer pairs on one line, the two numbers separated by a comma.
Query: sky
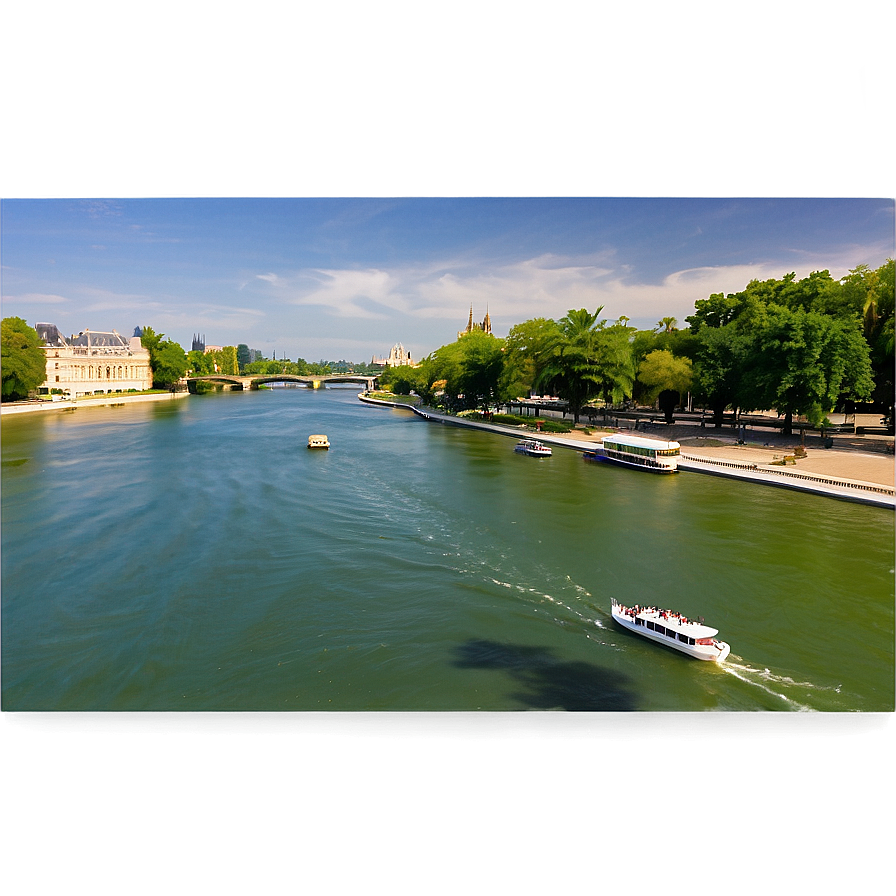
[[475, 100], [345, 278]]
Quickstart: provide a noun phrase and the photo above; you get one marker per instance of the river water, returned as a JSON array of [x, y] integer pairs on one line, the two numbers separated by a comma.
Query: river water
[[195, 555]]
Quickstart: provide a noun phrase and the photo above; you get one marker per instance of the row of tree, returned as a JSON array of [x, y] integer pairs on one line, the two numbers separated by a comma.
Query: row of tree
[[801, 347], [24, 365]]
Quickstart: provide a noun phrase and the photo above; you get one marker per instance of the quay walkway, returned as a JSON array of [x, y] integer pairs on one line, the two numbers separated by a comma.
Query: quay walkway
[[765, 474]]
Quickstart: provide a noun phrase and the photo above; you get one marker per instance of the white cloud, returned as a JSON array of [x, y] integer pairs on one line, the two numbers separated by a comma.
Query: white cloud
[[348, 293], [37, 298], [271, 278]]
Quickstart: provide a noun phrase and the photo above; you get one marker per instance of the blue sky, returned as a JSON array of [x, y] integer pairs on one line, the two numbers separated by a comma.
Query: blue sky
[[348, 278], [471, 100]]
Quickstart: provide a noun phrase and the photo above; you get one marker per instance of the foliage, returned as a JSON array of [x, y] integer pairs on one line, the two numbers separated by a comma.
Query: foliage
[[525, 349], [796, 346], [242, 355], [468, 370], [584, 358], [661, 371], [548, 424], [23, 362], [801, 362], [200, 363], [166, 358]]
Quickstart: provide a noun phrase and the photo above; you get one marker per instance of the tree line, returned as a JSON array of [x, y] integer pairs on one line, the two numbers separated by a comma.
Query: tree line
[[24, 365], [802, 347]]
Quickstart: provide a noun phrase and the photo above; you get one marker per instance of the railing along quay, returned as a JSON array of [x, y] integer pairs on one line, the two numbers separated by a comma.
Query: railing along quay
[[808, 477]]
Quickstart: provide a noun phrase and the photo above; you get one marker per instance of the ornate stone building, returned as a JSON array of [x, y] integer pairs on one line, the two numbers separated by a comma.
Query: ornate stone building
[[398, 357], [93, 362], [485, 326]]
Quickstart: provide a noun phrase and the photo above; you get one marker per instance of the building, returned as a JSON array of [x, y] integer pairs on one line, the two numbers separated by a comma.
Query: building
[[198, 343], [93, 362], [398, 357], [485, 326]]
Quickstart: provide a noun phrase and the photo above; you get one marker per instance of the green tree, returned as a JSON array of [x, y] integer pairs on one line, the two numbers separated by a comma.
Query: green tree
[[482, 364], [525, 350], [200, 363], [616, 375], [718, 368], [665, 377], [225, 359], [167, 359], [803, 362], [586, 359], [242, 355], [468, 371], [662, 370], [22, 360]]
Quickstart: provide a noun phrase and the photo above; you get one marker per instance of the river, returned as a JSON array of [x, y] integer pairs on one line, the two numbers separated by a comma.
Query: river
[[195, 555]]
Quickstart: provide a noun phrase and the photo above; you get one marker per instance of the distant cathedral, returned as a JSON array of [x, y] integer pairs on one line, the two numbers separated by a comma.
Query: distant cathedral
[[485, 326], [198, 344]]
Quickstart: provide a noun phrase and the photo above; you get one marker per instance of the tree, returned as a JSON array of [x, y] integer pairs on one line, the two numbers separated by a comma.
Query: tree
[[667, 377], [23, 362], [584, 359], [481, 366], [802, 362], [525, 348], [471, 369], [225, 360], [616, 375], [166, 358], [569, 367], [242, 355], [718, 368], [200, 363]]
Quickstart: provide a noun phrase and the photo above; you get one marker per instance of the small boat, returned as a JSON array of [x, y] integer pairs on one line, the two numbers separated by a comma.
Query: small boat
[[652, 455], [318, 441], [672, 629], [533, 448]]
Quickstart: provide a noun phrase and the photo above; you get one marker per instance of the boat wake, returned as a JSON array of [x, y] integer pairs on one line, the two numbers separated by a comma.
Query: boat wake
[[773, 683]]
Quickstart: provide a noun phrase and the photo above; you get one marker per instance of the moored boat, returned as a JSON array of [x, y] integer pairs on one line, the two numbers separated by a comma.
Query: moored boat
[[653, 455], [318, 441], [672, 629], [533, 448]]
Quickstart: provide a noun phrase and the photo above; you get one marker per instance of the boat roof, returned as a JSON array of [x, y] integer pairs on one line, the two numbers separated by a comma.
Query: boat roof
[[640, 441], [693, 629]]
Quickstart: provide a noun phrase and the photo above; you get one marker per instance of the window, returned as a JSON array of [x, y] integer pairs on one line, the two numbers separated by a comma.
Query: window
[[651, 625]]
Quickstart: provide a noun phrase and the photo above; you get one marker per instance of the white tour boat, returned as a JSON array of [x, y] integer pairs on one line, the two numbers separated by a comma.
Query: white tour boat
[[634, 451], [533, 448], [672, 629], [318, 441]]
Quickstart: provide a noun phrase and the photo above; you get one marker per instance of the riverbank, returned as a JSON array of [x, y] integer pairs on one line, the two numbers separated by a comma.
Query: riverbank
[[851, 475], [96, 401]]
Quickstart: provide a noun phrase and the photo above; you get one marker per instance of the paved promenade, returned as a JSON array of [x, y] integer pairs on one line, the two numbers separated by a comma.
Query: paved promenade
[[863, 477], [44, 407]]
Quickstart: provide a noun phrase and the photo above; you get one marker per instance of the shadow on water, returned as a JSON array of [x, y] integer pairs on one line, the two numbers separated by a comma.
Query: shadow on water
[[551, 683]]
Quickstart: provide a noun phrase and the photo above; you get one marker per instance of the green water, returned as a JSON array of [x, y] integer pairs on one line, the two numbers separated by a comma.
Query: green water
[[194, 555]]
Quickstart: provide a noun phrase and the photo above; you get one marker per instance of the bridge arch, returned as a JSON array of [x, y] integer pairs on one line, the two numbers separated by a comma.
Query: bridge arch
[[253, 381]]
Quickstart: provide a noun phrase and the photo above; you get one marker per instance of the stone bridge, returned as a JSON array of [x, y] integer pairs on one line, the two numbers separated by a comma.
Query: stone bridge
[[312, 381]]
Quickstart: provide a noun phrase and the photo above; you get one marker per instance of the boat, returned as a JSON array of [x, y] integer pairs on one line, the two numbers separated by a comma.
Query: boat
[[318, 441], [672, 629], [533, 448], [653, 455]]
